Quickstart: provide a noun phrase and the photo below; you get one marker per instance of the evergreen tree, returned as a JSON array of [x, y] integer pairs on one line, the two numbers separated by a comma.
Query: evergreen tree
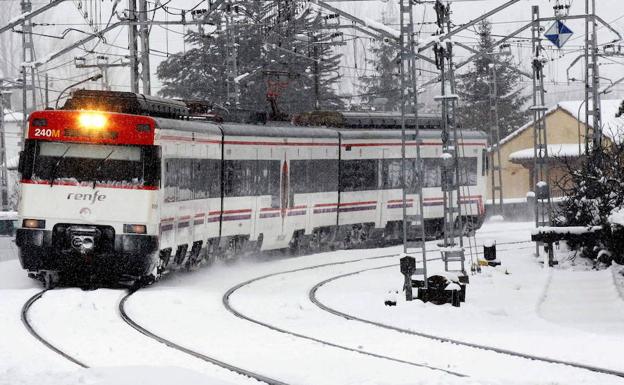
[[473, 89], [592, 194], [288, 55], [385, 82]]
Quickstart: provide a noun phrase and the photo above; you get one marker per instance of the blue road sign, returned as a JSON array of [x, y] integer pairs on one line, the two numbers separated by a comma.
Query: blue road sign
[[558, 34]]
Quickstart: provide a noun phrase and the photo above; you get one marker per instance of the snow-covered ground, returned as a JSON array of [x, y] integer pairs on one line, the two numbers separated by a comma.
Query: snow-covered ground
[[562, 313]]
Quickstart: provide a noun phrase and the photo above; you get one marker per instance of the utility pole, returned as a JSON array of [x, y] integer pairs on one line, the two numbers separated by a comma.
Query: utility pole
[[592, 83], [409, 104], [4, 179], [449, 161], [317, 72], [541, 175], [231, 59], [495, 156], [28, 71], [133, 47], [145, 49]]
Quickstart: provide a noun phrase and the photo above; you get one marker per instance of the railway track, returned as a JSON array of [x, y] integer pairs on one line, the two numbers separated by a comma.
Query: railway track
[[250, 374], [313, 298], [180, 348], [26, 321], [239, 314]]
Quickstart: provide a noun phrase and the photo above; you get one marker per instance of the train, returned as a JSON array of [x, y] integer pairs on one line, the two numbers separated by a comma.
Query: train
[[130, 187]]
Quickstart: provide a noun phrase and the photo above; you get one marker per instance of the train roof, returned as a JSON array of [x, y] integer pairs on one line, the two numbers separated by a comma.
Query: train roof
[[396, 134], [283, 129]]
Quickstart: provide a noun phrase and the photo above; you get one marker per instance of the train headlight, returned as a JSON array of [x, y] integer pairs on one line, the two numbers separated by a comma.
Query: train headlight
[[92, 120], [135, 229], [33, 223]]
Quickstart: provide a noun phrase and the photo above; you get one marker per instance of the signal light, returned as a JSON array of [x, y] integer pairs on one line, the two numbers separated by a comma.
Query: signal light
[[135, 229], [33, 223], [91, 120]]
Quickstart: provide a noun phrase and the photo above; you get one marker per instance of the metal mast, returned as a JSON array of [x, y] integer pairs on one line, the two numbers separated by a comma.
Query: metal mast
[[409, 90], [231, 59], [145, 50], [133, 47], [452, 252], [541, 177], [28, 71], [4, 180], [495, 156], [592, 82]]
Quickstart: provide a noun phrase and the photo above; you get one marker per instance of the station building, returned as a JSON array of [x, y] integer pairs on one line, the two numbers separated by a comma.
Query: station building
[[565, 125]]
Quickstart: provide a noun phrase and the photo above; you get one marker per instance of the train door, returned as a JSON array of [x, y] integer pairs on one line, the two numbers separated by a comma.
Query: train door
[[389, 181]]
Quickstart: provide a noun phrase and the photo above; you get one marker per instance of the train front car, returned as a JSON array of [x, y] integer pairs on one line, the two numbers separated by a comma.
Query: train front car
[[89, 197]]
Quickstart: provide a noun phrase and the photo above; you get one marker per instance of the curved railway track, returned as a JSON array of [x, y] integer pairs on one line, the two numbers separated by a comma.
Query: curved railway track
[[26, 321], [313, 298], [180, 348], [225, 299], [239, 314]]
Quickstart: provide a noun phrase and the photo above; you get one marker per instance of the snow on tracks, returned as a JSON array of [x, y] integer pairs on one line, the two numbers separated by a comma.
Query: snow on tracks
[[203, 357], [33, 332], [351, 317], [239, 314]]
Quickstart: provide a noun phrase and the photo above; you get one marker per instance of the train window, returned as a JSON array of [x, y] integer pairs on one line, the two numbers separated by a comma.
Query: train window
[[151, 165], [200, 178], [468, 171], [267, 178], [323, 175], [391, 174], [239, 178], [117, 165], [185, 179], [358, 175], [432, 173], [214, 177], [314, 176], [170, 180], [299, 176]]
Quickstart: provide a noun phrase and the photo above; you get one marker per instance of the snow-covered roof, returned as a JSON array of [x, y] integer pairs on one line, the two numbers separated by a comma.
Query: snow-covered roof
[[12, 116], [567, 150], [613, 127]]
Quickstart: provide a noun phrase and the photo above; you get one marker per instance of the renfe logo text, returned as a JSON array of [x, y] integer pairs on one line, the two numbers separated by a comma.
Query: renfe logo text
[[96, 196]]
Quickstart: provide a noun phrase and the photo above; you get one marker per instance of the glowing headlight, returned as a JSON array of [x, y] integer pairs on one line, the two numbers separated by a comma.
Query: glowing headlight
[[92, 120]]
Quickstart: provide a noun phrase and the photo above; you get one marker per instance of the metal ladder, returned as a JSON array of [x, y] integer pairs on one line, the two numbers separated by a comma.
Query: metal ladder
[[409, 83], [541, 174], [453, 253], [495, 156]]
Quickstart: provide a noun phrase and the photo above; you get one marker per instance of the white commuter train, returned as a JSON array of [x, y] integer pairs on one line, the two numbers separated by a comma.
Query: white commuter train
[[131, 196]]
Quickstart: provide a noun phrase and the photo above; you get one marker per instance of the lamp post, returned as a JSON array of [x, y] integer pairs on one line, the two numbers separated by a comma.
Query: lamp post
[[92, 78]]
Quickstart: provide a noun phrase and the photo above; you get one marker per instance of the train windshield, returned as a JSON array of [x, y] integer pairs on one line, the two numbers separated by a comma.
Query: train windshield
[[78, 163]]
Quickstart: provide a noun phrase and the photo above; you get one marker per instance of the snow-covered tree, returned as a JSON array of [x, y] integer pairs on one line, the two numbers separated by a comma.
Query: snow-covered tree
[[384, 83], [473, 89], [288, 55], [594, 189]]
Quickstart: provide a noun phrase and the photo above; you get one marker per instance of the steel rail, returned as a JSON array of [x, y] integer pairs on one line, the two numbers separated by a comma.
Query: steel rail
[[231, 309], [38, 337], [314, 299], [180, 348]]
